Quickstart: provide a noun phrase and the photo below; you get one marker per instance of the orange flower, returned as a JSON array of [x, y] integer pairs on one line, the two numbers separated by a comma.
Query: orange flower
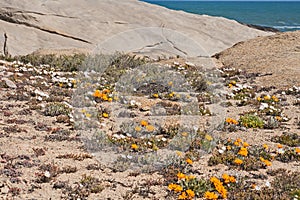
[[232, 179], [190, 193], [243, 151], [231, 121], [266, 162], [144, 123], [279, 146], [189, 161], [246, 144], [219, 187], [134, 146], [175, 187], [297, 150], [150, 128], [183, 196], [226, 178], [210, 195], [181, 175], [98, 94], [238, 161]]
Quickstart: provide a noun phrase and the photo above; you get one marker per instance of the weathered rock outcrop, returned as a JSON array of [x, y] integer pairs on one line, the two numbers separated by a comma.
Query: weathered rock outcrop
[[35, 24]]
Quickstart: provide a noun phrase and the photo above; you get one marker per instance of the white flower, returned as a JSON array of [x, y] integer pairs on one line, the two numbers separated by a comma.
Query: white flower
[[47, 174], [280, 151], [268, 184], [263, 106], [221, 151]]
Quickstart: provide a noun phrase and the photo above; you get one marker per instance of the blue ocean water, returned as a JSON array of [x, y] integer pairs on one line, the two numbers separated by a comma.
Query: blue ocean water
[[283, 15]]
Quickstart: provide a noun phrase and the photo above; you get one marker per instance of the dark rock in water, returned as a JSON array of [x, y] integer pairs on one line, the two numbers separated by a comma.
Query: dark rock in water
[[262, 28]]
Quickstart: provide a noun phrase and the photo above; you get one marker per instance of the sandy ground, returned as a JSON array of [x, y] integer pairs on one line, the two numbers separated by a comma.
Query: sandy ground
[[42, 157]]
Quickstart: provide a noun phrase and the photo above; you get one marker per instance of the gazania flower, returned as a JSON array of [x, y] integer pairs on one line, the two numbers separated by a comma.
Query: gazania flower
[[189, 161], [150, 128], [105, 115], [190, 193], [181, 175], [238, 161], [138, 129], [144, 123], [134, 146], [243, 151], [210, 195], [175, 187]]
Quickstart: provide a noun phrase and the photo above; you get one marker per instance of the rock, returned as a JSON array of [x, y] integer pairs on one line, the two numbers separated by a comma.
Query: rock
[[145, 108], [41, 94], [149, 30], [4, 190], [9, 83]]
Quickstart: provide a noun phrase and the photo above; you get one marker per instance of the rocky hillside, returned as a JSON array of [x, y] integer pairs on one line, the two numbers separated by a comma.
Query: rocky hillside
[[140, 27], [275, 59]]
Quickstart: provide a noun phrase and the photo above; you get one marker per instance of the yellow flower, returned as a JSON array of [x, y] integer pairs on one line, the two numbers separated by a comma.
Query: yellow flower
[[189, 161], [230, 85], [228, 148], [171, 94], [258, 99], [104, 97], [266, 162], [88, 115], [238, 161], [233, 82], [210, 195], [170, 83], [190, 177], [265, 146], [181, 175], [134, 146], [61, 84], [105, 115], [208, 137], [243, 151], [110, 99], [138, 128], [190, 193], [179, 153], [150, 128], [144, 123], [267, 97], [155, 95]]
